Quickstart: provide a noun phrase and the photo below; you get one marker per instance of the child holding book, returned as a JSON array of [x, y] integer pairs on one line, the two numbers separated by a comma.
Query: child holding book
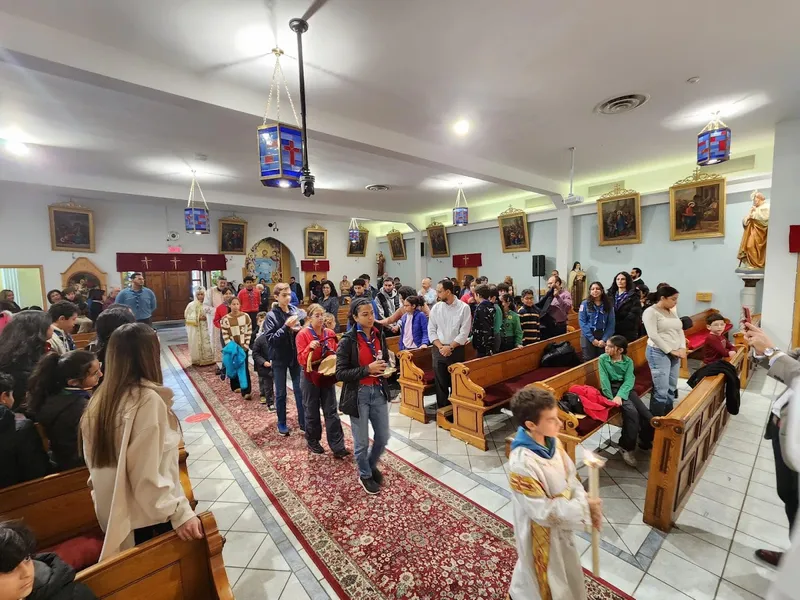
[[717, 346], [549, 504]]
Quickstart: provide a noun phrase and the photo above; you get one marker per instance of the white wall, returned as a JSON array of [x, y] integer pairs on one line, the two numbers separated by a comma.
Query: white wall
[[781, 270], [691, 266], [404, 269], [141, 225]]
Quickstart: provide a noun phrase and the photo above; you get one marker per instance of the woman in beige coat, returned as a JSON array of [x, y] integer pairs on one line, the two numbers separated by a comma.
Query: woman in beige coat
[[130, 439]]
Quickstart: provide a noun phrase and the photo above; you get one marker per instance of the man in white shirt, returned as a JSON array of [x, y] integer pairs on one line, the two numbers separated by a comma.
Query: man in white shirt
[[449, 325], [428, 292], [786, 369]]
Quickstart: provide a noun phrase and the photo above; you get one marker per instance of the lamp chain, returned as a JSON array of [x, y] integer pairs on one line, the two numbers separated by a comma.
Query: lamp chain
[[275, 86]]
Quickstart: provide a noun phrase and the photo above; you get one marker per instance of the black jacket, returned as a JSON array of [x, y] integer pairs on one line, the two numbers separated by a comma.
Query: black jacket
[[282, 350], [628, 318], [60, 415], [265, 303], [484, 339], [23, 456], [261, 355], [297, 289], [53, 579], [732, 397], [350, 372]]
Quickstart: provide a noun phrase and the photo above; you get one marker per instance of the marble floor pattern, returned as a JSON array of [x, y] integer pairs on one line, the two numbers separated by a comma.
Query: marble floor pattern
[[709, 554]]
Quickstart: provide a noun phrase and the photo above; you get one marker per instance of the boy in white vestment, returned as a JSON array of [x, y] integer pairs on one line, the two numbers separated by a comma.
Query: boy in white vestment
[[549, 504]]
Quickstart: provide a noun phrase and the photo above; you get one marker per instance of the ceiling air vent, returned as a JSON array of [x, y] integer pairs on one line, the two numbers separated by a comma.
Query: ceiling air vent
[[621, 104], [378, 187]]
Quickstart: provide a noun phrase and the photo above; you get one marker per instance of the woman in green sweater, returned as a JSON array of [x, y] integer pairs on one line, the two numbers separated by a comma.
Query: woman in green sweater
[[616, 382], [510, 330]]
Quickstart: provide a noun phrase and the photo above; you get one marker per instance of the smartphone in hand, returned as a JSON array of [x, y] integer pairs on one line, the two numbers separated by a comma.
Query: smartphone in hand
[[748, 318]]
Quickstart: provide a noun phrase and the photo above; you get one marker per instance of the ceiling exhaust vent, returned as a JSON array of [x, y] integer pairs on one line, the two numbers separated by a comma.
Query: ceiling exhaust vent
[[621, 104], [378, 187]]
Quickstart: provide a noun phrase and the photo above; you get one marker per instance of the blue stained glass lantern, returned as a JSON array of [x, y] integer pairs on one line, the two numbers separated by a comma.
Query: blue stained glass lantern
[[353, 232], [460, 211], [280, 149], [196, 220], [714, 144]]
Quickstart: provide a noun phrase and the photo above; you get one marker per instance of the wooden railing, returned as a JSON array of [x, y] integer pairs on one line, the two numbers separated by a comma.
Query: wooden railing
[[684, 442]]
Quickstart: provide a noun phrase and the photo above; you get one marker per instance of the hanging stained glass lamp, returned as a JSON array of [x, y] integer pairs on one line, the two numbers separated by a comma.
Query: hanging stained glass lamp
[[280, 145], [195, 215], [354, 232], [460, 210], [714, 143]]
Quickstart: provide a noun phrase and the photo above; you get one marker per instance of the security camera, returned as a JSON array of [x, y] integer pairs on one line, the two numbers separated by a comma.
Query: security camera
[[307, 184]]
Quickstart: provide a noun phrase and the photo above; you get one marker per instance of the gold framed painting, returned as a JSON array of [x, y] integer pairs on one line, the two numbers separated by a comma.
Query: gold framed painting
[[232, 236], [513, 225], [697, 207], [316, 242], [437, 240], [359, 249], [71, 227], [397, 246], [619, 217]]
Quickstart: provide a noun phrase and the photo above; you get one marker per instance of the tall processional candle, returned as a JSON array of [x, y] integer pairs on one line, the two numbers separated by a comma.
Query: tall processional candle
[[595, 463]]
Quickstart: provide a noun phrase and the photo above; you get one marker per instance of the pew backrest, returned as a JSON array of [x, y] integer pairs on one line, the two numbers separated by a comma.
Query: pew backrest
[[165, 568]]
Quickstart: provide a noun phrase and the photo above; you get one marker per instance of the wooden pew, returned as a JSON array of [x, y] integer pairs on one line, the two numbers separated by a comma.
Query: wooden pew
[[749, 362], [576, 430], [165, 568], [696, 336], [486, 384], [684, 442], [82, 340], [416, 380], [59, 507]]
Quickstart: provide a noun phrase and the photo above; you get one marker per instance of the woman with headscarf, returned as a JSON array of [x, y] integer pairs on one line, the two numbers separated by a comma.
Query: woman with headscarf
[[200, 349]]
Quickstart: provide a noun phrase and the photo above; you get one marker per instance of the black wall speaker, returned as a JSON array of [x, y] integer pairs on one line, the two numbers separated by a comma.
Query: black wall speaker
[[538, 265], [422, 249]]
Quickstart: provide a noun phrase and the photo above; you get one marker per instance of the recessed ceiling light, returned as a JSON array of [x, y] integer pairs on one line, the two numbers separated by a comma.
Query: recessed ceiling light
[[461, 127], [17, 148], [378, 187]]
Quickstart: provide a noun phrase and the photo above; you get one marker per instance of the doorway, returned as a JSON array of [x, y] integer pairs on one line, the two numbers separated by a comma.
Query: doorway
[[308, 277], [462, 271], [173, 290]]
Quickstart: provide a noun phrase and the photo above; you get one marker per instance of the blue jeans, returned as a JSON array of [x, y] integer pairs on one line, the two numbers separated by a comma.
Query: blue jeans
[[279, 373], [373, 407], [664, 368]]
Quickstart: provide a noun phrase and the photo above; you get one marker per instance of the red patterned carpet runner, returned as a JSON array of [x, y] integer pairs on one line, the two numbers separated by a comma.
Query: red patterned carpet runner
[[417, 539]]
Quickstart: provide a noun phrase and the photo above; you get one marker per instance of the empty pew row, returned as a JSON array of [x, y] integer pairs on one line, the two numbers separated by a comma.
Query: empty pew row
[[60, 512], [577, 428], [484, 385], [696, 337], [685, 440]]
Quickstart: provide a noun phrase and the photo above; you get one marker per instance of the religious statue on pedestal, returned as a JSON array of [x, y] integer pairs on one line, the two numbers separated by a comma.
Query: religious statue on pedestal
[[576, 285], [753, 249], [381, 260]]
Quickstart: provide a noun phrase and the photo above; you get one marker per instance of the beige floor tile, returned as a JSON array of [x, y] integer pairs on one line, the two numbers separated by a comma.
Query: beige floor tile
[[728, 591], [268, 557], [254, 584], [748, 575], [684, 575], [654, 589], [486, 498], [616, 571], [697, 551]]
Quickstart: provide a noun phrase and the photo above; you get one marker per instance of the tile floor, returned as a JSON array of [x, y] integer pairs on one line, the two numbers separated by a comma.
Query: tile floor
[[709, 554]]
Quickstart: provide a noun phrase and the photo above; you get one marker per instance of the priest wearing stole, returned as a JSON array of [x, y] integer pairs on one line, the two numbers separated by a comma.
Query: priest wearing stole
[[753, 249]]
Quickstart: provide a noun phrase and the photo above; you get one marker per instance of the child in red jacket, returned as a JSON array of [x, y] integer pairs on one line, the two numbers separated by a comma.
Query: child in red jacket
[[717, 346]]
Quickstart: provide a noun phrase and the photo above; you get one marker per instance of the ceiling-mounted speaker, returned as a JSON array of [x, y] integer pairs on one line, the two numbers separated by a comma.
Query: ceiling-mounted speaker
[[538, 265]]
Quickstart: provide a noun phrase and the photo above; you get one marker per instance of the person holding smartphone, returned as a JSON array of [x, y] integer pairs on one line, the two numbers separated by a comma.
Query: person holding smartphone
[[361, 362]]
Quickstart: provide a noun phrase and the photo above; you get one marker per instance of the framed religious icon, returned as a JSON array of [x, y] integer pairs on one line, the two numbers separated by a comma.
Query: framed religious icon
[[71, 227], [359, 249], [513, 225], [232, 236], [437, 240], [619, 217], [316, 242], [697, 207], [397, 246]]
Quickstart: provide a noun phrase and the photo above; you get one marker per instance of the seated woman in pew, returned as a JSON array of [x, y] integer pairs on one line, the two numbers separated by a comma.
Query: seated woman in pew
[[617, 378], [29, 576], [130, 438], [60, 389], [597, 322], [23, 456]]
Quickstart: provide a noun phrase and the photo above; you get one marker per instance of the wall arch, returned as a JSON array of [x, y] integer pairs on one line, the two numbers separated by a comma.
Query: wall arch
[[269, 259]]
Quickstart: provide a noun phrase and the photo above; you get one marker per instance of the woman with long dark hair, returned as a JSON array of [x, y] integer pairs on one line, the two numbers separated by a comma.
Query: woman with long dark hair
[[666, 346], [330, 300], [23, 342], [130, 438], [596, 318], [627, 306], [107, 323]]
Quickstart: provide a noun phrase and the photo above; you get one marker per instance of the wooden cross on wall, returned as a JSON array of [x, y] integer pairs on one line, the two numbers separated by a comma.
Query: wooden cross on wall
[[175, 260], [146, 262], [466, 260], [202, 261]]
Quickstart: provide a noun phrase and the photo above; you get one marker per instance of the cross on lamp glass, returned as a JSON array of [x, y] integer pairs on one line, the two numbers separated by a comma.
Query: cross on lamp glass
[[714, 143], [460, 210], [196, 216]]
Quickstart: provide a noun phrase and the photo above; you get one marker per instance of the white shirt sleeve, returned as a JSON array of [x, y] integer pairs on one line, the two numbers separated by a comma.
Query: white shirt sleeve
[[464, 325], [433, 335]]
